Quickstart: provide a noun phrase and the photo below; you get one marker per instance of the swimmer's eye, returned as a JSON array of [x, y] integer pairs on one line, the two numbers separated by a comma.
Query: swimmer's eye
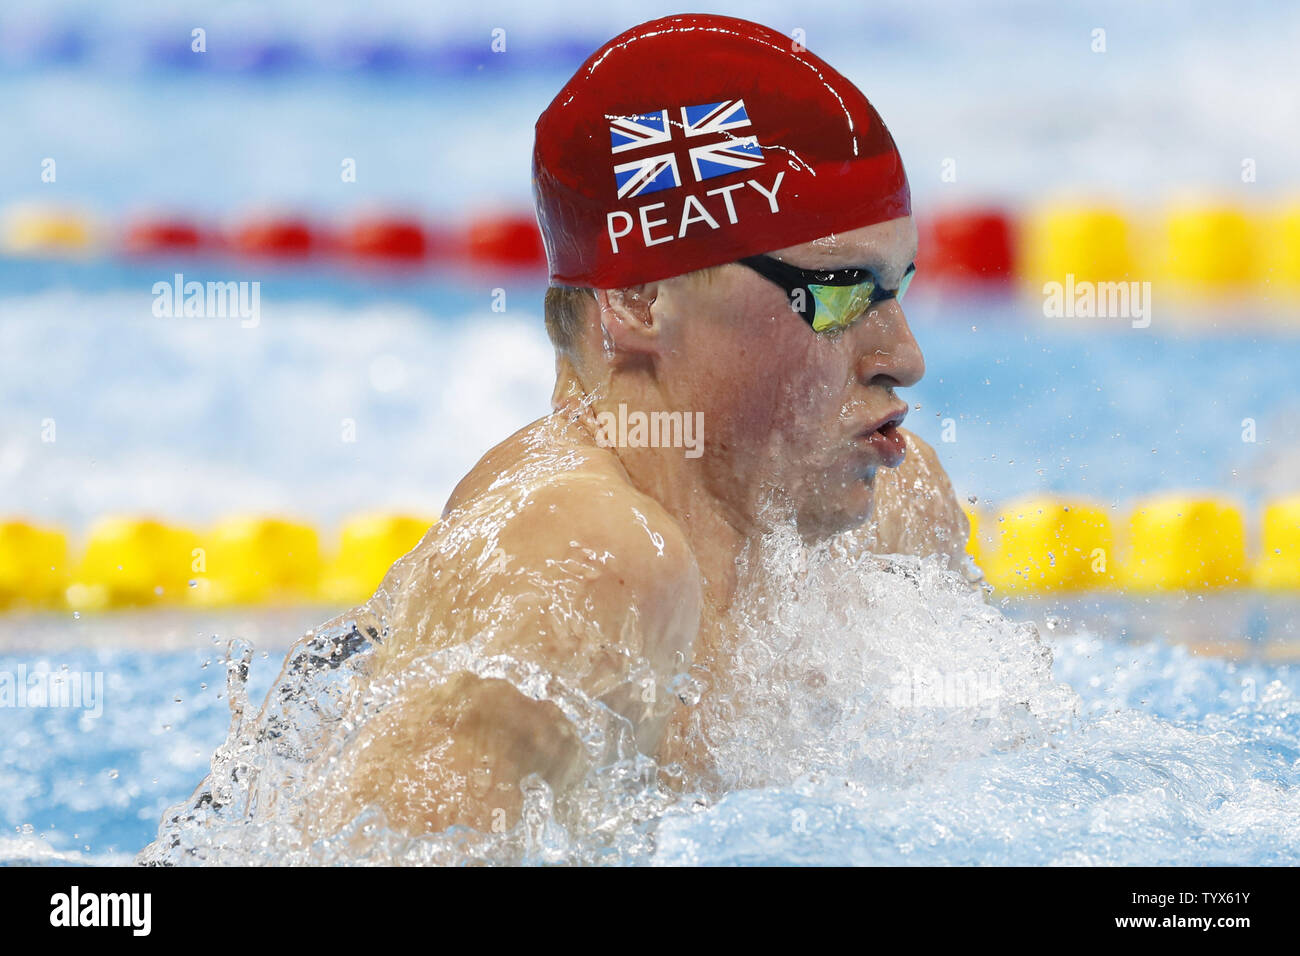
[[828, 300]]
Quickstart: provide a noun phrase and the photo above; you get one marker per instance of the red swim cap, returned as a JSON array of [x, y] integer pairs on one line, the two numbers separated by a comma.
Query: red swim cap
[[696, 140]]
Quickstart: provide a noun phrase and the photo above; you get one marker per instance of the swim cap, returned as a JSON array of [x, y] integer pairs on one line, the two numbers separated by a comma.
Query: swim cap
[[696, 140]]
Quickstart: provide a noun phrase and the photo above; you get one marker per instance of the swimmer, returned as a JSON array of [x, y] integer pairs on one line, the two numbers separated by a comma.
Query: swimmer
[[729, 235]]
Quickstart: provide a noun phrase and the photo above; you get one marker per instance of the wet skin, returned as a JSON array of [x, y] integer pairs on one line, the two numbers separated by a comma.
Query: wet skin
[[583, 560]]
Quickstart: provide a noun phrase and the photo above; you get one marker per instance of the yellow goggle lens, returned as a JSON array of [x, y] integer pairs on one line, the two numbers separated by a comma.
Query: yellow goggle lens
[[839, 306]]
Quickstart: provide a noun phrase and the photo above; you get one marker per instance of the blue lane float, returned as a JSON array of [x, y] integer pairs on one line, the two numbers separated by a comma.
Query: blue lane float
[[35, 43]]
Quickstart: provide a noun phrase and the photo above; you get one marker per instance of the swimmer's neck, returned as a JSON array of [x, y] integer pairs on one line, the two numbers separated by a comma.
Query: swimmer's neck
[[717, 530]]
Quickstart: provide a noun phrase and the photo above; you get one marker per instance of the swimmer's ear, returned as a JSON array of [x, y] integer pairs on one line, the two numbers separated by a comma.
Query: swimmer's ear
[[629, 318]]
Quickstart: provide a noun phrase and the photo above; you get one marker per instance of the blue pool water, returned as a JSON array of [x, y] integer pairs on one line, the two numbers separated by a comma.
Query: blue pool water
[[1172, 759], [1183, 92], [212, 417]]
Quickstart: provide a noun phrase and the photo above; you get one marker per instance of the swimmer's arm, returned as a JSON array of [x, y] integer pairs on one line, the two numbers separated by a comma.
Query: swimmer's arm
[[608, 579], [581, 590], [916, 509]]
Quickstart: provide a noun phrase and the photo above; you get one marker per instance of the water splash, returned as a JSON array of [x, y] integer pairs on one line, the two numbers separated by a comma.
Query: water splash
[[873, 672]]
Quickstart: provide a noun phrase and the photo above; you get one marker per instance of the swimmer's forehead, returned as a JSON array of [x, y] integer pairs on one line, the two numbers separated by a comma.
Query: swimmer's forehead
[[886, 248]]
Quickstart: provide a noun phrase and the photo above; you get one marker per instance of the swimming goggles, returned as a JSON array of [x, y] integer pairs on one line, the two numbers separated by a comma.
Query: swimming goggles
[[828, 300]]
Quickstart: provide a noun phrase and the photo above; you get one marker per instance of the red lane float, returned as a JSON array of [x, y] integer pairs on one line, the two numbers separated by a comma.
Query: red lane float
[[153, 236], [277, 238], [977, 245], [506, 241], [965, 246], [403, 240]]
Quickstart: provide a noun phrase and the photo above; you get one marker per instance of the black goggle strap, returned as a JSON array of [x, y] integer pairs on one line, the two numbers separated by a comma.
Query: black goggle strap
[[792, 277]]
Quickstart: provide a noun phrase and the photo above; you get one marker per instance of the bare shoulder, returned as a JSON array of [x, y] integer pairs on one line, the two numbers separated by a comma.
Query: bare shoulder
[[556, 533], [922, 465], [592, 516], [917, 511], [548, 497]]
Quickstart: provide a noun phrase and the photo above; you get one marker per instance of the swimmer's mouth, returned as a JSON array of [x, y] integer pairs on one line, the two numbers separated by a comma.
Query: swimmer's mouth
[[884, 438]]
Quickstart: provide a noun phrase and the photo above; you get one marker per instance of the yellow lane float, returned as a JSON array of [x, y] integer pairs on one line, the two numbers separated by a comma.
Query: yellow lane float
[[1187, 543], [133, 561], [369, 545], [1049, 544]]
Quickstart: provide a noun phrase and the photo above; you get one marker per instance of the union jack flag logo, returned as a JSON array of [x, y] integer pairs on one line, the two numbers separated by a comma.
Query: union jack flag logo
[[724, 152]]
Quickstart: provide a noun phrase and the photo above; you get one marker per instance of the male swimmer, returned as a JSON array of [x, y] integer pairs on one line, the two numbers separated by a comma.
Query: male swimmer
[[728, 229]]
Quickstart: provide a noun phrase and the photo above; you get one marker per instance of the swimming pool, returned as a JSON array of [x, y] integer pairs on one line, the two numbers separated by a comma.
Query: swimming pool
[[1165, 731], [140, 402], [1172, 757]]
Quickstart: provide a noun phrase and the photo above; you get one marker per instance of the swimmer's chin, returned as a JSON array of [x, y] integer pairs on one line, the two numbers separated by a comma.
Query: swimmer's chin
[[852, 508]]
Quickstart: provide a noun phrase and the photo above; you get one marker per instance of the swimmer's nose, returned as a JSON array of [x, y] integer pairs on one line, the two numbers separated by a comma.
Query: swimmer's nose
[[889, 354]]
